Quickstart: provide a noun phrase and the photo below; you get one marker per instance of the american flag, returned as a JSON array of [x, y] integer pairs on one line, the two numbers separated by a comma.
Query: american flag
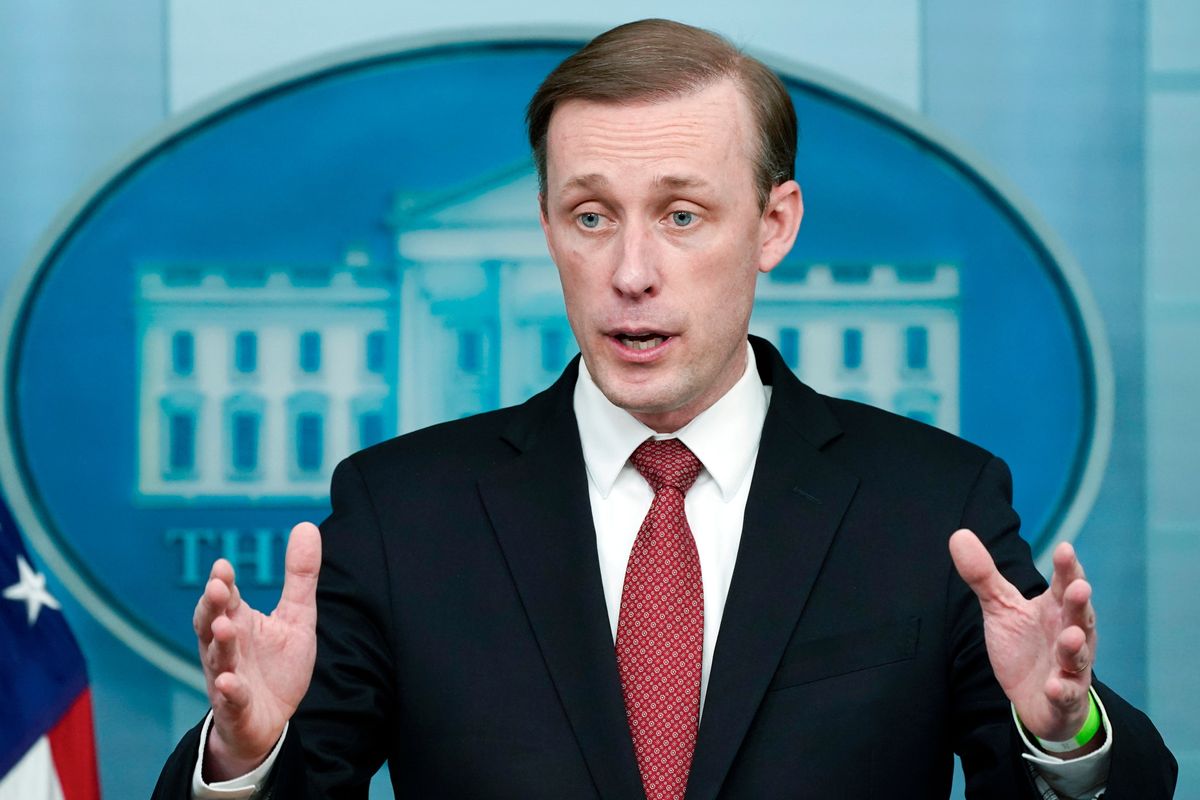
[[47, 750]]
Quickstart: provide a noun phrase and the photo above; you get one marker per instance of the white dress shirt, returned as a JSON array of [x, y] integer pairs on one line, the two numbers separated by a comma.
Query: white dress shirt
[[725, 437]]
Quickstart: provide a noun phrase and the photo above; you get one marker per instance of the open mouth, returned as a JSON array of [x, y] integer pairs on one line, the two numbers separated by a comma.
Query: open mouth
[[641, 341]]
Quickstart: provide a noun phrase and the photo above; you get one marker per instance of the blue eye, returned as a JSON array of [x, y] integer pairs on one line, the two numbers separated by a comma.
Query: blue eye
[[589, 220], [683, 218]]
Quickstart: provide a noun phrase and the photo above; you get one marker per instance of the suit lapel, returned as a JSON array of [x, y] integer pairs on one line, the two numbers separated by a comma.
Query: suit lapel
[[539, 507], [797, 499], [538, 504]]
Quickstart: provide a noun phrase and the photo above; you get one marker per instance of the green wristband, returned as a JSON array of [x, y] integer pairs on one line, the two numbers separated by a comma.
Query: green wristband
[[1091, 727]]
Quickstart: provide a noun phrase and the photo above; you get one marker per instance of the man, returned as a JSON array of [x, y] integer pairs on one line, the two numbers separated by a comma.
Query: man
[[678, 569]]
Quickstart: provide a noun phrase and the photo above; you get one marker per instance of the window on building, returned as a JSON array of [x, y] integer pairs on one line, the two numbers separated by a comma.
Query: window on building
[[916, 347], [183, 353], [916, 273], [852, 273], [790, 271], [310, 351], [789, 347], [370, 428], [181, 275], [917, 403], [310, 441], [852, 348], [181, 442], [311, 276], [245, 352], [246, 276], [554, 349], [369, 419], [179, 435], [307, 415], [470, 351], [244, 447], [376, 351]]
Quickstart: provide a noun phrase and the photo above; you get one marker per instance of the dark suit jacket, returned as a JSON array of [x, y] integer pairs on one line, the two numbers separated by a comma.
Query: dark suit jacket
[[463, 635]]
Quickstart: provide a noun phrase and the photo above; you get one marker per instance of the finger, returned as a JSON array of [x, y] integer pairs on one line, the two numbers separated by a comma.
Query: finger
[[975, 566], [212, 601], [1074, 655], [1069, 697], [1077, 608], [1067, 569], [302, 565], [234, 694], [235, 599], [212, 604], [222, 655], [222, 570]]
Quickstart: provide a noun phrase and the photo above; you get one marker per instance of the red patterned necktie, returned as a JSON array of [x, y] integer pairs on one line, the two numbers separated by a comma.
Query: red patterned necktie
[[660, 631]]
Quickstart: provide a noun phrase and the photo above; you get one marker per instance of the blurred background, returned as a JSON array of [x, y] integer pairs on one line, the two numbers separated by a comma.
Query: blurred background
[[1088, 111]]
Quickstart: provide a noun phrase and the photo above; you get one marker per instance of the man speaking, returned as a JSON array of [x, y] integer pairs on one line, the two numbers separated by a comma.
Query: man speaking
[[677, 572]]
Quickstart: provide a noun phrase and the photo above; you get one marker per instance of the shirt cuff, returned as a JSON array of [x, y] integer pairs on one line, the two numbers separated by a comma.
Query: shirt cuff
[[241, 788], [1082, 777]]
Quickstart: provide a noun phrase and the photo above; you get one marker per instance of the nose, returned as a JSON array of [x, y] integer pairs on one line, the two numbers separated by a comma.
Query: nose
[[636, 274]]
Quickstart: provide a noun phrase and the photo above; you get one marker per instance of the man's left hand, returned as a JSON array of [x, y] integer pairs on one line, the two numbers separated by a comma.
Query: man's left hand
[[1041, 649]]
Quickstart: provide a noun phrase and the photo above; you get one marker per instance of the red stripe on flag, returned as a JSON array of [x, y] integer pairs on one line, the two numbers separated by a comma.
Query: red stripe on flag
[[73, 747]]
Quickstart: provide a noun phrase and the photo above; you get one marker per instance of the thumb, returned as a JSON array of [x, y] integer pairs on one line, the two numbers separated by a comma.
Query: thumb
[[302, 565], [976, 567]]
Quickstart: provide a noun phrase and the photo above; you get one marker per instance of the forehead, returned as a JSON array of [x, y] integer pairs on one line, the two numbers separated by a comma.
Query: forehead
[[706, 129]]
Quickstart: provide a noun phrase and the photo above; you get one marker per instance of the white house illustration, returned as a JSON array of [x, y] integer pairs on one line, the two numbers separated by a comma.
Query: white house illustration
[[883, 334], [482, 321], [255, 379]]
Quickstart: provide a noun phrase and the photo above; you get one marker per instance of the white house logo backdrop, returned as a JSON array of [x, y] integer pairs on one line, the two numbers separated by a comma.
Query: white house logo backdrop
[[354, 252]]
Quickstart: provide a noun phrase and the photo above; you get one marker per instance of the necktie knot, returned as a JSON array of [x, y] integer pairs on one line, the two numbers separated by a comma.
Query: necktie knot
[[666, 462]]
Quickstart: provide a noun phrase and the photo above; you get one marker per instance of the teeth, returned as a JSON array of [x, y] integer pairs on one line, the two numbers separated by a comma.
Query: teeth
[[642, 344]]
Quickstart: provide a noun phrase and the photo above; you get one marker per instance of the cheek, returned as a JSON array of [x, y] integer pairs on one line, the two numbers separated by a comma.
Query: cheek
[[582, 271], [579, 295], [730, 279], [724, 303]]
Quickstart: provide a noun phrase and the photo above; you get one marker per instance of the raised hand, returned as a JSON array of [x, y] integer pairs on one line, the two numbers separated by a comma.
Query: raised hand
[[1040, 649], [257, 667]]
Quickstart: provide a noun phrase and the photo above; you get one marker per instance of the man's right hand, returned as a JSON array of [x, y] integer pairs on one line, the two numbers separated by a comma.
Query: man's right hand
[[257, 667]]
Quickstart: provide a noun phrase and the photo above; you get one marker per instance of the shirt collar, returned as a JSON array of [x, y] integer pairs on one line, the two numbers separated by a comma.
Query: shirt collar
[[724, 436]]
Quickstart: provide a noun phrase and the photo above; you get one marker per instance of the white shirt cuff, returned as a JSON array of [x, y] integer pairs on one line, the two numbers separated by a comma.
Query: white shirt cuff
[[241, 788], [1082, 777]]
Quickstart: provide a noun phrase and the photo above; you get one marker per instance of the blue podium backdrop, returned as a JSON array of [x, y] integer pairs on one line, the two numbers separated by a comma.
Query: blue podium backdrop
[[354, 252], [1089, 110]]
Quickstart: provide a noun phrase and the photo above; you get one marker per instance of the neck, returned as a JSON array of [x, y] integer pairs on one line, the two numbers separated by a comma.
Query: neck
[[675, 419]]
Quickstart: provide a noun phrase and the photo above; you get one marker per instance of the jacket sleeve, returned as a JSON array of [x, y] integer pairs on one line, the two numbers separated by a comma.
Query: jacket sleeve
[[984, 735], [339, 735], [344, 722]]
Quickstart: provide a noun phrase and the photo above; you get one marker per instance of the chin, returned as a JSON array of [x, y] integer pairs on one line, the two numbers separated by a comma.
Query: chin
[[634, 398], [642, 400], [639, 390]]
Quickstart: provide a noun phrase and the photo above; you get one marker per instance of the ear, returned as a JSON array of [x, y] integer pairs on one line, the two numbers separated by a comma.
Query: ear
[[780, 223]]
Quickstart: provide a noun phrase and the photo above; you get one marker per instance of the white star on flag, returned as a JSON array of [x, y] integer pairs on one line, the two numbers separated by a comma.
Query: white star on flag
[[31, 588]]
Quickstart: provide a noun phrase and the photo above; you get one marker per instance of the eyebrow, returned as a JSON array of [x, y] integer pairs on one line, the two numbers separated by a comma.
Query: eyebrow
[[593, 180], [680, 182]]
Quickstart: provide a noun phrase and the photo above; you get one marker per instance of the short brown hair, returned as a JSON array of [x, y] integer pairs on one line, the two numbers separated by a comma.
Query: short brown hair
[[657, 59]]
